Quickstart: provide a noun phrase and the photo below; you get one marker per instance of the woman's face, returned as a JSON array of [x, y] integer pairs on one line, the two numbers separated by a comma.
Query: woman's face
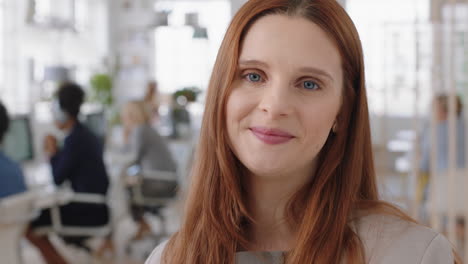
[[286, 97], [440, 112]]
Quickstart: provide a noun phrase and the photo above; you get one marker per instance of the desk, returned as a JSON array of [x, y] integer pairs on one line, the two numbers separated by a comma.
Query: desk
[[38, 174], [39, 180], [49, 197], [38, 177]]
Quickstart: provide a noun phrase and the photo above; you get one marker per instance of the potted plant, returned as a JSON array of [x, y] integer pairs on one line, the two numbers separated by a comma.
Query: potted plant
[[101, 93], [180, 116], [190, 94], [101, 85]]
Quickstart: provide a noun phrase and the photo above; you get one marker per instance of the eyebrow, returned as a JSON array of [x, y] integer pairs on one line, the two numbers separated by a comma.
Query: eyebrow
[[302, 69], [317, 71], [252, 63]]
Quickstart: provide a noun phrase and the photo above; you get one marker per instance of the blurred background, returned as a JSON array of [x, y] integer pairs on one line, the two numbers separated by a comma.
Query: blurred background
[[160, 53]]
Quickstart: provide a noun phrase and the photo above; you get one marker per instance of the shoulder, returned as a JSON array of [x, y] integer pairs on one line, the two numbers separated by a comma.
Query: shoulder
[[4, 160], [81, 131], [389, 239], [155, 257], [77, 134], [8, 165], [81, 136]]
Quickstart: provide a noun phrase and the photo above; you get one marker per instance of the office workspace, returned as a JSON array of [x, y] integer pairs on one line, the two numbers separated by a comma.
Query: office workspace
[[19, 144], [160, 54]]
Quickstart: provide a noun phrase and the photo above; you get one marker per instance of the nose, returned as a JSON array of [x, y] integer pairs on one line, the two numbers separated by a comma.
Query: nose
[[276, 100]]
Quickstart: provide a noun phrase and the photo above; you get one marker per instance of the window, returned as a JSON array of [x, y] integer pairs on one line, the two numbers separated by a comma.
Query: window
[[52, 13], [180, 59], [388, 33]]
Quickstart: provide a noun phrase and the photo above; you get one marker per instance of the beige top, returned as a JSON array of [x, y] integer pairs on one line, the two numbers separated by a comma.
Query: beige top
[[386, 239]]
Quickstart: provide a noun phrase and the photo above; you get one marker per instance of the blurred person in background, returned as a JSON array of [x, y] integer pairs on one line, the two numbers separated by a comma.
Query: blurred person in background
[[78, 163], [145, 150], [11, 177], [441, 111], [149, 151], [440, 108]]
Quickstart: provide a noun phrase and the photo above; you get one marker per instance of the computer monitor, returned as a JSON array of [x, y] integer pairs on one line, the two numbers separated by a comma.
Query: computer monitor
[[18, 142], [96, 122]]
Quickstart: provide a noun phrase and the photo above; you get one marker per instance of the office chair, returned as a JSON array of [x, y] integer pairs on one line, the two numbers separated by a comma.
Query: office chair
[[77, 235], [155, 203], [16, 212]]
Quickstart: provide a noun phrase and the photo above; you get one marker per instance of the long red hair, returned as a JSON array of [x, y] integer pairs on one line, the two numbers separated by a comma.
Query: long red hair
[[216, 215]]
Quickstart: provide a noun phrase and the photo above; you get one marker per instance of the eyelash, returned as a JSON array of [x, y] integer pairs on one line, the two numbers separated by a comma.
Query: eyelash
[[247, 76], [316, 85]]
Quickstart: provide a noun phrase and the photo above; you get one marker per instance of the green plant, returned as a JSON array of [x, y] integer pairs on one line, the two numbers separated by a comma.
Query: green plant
[[102, 89], [190, 93]]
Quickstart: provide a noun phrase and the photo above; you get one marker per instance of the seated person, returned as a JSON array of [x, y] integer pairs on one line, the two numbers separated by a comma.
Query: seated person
[[149, 151], [80, 163], [11, 177], [146, 149]]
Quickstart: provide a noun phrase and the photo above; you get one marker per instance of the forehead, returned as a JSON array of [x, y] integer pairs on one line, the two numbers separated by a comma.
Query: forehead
[[291, 41]]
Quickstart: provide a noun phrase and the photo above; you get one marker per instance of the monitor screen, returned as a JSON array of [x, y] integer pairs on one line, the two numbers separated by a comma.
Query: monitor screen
[[96, 122], [18, 142]]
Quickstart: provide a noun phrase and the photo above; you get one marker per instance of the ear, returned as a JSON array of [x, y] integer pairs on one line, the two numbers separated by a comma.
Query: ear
[[335, 127]]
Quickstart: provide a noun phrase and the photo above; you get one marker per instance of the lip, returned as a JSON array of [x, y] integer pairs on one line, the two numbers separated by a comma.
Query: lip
[[271, 136]]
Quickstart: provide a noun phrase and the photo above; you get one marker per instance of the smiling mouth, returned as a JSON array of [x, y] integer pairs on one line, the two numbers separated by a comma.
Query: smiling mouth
[[271, 136]]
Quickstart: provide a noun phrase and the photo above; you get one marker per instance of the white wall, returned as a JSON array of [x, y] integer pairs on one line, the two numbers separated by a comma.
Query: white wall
[[236, 4], [23, 42], [85, 49]]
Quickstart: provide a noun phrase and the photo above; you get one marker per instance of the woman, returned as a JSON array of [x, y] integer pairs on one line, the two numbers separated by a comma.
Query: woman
[[284, 170], [150, 152]]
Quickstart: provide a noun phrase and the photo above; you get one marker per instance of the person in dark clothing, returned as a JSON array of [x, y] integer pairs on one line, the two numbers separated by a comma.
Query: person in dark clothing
[[80, 163]]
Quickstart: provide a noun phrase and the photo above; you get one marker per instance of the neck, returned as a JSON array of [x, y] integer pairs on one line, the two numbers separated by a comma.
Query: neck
[[68, 126], [267, 204]]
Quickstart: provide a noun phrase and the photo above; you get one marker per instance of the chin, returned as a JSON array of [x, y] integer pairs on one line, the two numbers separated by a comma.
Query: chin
[[266, 170]]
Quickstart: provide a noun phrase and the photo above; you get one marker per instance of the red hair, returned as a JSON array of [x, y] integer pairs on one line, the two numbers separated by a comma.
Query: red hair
[[344, 184]]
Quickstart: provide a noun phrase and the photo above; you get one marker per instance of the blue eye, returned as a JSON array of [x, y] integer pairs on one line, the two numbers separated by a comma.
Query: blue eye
[[310, 85], [253, 77]]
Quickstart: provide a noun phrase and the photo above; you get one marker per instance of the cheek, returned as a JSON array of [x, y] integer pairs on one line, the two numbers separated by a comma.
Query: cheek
[[237, 109], [316, 138], [318, 126]]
